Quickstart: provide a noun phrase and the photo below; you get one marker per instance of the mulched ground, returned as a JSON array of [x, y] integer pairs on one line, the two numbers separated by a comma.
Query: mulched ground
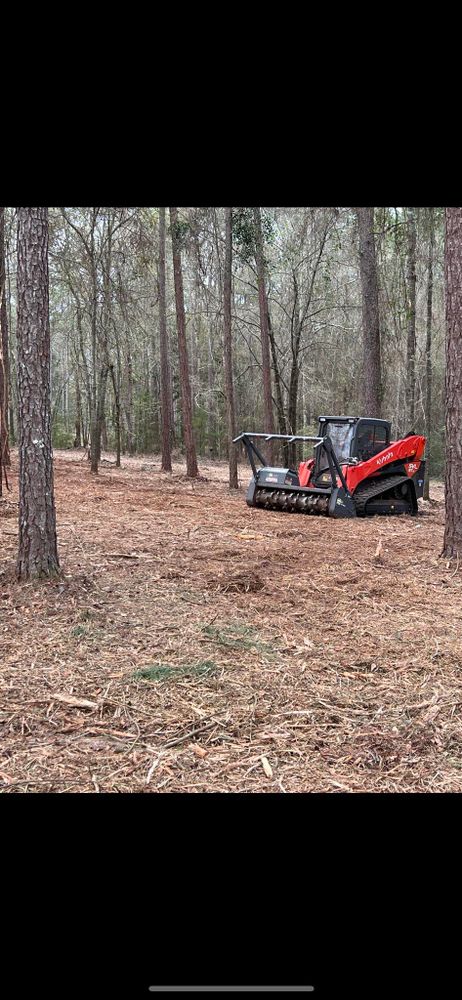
[[193, 644]]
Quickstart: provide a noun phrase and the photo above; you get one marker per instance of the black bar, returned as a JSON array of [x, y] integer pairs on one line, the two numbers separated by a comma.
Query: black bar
[[250, 449], [334, 466], [278, 437], [231, 989]]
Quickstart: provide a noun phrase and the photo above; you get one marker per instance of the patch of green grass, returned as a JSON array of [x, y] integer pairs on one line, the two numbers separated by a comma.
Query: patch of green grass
[[89, 633], [238, 637], [79, 631], [165, 672]]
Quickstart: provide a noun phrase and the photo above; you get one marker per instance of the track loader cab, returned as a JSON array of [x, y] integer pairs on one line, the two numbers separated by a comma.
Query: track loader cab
[[355, 439], [355, 471]]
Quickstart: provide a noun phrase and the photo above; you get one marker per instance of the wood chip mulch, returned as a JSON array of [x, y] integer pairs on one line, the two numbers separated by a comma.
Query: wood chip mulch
[[193, 644]]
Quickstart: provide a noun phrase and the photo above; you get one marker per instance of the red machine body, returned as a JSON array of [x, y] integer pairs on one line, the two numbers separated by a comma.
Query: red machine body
[[412, 448]]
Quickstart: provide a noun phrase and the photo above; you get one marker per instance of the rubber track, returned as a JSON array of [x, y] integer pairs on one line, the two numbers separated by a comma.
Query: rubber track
[[362, 496]]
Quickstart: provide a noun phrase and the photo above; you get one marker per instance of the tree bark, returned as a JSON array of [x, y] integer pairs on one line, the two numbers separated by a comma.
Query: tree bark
[[191, 460], [78, 411], [104, 437], [264, 332], [38, 551], [116, 389], [372, 375], [227, 350], [100, 417], [411, 297], [452, 545], [107, 326], [428, 354], [165, 376], [277, 381], [129, 400], [295, 336], [4, 372], [94, 436]]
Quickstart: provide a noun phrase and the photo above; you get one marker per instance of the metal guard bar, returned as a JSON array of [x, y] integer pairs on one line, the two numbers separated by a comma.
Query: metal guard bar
[[279, 437], [334, 466]]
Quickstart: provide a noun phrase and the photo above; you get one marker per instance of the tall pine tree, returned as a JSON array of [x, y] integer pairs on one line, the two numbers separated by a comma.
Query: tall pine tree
[[452, 545], [38, 551]]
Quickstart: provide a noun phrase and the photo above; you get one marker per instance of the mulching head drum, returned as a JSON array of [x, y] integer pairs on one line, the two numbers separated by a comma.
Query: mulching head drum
[[279, 489], [291, 498], [301, 503]]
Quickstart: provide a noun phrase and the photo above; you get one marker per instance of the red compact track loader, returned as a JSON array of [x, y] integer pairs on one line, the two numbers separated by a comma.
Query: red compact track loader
[[356, 471]]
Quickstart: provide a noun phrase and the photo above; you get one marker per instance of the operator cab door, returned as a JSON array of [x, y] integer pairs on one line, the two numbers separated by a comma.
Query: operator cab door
[[371, 437], [341, 433]]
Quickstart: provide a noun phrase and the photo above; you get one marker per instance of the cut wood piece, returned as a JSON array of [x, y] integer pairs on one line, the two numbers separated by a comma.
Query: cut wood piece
[[68, 699], [267, 767], [378, 552]]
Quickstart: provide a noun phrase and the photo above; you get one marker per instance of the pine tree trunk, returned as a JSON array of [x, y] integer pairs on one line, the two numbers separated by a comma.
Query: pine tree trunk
[[265, 344], [411, 296], [372, 377], [104, 438], [116, 390], [11, 374], [452, 545], [428, 355], [129, 402], [211, 429], [78, 412], [227, 350], [94, 435], [191, 460], [282, 425], [4, 373], [165, 376], [292, 406], [38, 552], [101, 415]]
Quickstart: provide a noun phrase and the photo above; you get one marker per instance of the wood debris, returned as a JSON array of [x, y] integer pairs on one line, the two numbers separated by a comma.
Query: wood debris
[[281, 659]]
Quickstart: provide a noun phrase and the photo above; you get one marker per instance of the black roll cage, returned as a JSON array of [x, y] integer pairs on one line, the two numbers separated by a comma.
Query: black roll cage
[[359, 423], [325, 442]]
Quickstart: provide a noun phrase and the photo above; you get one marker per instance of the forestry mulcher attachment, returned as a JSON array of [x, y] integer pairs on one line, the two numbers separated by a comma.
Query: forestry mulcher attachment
[[356, 471]]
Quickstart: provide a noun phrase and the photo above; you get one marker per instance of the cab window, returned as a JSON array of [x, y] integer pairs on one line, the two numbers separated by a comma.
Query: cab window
[[380, 439], [371, 438]]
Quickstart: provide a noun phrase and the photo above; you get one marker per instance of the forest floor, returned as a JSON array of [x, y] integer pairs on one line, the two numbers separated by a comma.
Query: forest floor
[[193, 644]]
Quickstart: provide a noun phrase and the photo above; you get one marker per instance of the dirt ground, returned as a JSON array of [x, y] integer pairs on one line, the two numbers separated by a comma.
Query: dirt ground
[[193, 644]]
